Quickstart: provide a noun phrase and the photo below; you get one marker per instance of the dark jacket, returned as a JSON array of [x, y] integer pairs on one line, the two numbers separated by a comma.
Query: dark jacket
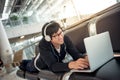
[[51, 59]]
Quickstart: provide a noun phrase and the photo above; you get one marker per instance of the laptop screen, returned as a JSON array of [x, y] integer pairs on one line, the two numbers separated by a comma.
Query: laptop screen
[[99, 49]]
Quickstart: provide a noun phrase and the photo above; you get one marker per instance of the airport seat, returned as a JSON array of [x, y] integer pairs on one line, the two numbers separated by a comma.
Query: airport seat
[[77, 34], [110, 22]]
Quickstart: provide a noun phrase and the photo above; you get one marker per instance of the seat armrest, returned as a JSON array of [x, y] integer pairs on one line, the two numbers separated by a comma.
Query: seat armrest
[[67, 75]]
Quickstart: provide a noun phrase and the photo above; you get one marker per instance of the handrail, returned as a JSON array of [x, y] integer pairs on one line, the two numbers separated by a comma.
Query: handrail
[[28, 46]]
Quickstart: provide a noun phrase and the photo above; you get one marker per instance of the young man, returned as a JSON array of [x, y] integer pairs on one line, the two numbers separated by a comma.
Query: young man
[[53, 48]]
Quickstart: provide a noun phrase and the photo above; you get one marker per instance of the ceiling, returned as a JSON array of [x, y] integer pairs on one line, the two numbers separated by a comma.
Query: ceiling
[[23, 6], [7, 7], [20, 6]]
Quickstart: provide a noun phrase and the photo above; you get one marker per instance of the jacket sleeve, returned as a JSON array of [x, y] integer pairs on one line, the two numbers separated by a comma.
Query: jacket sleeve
[[71, 49]]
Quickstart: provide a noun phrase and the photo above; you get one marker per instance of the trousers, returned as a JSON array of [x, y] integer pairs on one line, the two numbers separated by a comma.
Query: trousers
[[28, 65]]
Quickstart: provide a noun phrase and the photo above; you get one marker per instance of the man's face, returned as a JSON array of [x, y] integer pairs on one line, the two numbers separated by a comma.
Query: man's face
[[57, 38]]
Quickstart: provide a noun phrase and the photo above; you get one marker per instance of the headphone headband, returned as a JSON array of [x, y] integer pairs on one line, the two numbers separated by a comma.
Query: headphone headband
[[47, 37]]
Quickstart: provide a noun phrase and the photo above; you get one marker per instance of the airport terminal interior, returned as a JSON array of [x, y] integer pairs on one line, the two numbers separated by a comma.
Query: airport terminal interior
[[21, 22]]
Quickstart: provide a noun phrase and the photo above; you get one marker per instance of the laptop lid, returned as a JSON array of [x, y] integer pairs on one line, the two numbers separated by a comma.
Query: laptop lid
[[99, 50]]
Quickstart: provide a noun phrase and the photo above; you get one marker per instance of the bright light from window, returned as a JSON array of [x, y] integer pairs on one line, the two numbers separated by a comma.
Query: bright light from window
[[4, 14], [29, 13], [21, 37], [92, 6], [69, 11]]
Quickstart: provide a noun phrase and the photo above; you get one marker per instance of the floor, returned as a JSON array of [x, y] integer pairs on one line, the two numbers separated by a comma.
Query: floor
[[10, 76]]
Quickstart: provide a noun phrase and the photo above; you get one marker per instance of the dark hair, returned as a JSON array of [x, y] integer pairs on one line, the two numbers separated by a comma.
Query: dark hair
[[52, 27]]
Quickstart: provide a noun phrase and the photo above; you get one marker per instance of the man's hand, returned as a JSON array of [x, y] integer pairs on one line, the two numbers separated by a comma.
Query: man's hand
[[81, 63]]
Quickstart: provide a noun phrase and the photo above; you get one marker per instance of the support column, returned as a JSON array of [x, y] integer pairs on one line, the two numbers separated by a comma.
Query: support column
[[6, 52]]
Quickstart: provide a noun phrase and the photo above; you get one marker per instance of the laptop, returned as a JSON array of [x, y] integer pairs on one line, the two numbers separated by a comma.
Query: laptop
[[99, 51]]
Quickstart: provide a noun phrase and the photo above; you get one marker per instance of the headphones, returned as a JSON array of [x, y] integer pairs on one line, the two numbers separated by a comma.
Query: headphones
[[47, 37]]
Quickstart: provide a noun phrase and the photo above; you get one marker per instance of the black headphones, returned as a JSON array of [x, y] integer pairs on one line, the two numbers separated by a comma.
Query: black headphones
[[47, 37]]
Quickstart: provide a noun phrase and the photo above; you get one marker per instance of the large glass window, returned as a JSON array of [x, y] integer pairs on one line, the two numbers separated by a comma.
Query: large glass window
[[77, 10]]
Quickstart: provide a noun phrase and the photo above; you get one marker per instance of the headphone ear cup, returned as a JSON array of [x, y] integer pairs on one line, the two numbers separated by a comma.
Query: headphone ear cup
[[47, 38]]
